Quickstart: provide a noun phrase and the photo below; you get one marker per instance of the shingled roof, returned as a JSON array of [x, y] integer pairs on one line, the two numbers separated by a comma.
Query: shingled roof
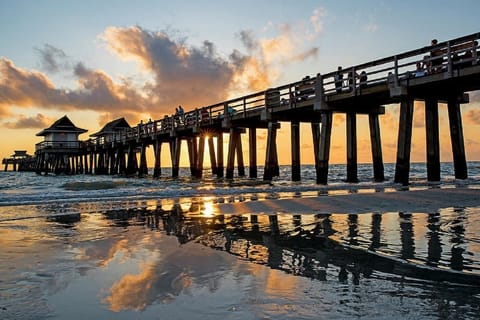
[[112, 127], [64, 124]]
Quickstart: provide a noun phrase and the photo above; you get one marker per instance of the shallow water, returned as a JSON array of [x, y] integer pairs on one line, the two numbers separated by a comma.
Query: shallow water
[[130, 249]]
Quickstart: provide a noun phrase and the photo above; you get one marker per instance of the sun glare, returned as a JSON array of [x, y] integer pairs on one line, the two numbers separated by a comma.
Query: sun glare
[[209, 210]]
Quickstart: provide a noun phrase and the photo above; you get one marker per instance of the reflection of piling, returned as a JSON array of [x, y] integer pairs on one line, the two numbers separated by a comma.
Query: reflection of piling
[[295, 138], [252, 152]]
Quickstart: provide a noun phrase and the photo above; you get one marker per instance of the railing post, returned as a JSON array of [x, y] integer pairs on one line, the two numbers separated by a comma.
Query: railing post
[[244, 107], [475, 54], [396, 72], [319, 92], [449, 60]]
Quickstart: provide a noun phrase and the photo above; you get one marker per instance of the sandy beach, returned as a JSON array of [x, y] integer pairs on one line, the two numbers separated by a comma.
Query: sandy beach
[[426, 200]]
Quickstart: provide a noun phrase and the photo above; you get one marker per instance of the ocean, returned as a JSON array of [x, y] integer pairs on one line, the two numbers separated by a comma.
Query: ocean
[[111, 247]]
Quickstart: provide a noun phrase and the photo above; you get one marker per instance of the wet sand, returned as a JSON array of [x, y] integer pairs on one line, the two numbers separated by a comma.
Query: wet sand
[[428, 200]]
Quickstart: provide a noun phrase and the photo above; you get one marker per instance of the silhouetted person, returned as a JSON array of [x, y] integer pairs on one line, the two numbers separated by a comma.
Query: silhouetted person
[[436, 58], [363, 80], [339, 79]]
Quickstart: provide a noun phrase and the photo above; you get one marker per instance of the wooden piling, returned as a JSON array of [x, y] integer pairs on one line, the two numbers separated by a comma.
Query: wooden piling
[[131, 160], [252, 152], [176, 157], [91, 169], [231, 153], [240, 163], [213, 158], [113, 155], [143, 169], [157, 169], [433, 140], [376, 145], [201, 153], [402, 168], [295, 141], [352, 167], [192, 155], [270, 157], [122, 168], [220, 155], [456, 136], [322, 142]]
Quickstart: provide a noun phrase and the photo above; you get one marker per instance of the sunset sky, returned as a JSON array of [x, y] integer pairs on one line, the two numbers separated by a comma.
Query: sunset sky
[[96, 61]]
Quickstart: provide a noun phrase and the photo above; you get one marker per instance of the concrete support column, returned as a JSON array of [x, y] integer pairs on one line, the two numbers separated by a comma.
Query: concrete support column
[[402, 168]]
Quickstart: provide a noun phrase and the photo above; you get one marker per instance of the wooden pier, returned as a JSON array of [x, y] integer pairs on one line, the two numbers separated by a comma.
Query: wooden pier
[[20, 161], [448, 70]]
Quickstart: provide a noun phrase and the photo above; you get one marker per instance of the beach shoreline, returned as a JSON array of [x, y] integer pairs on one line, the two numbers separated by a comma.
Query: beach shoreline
[[424, 200]]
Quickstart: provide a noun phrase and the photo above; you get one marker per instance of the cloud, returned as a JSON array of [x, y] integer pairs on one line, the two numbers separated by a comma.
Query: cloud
[[24, 122], [181, 74], [371, 26], [419, 117], [472, 117], [187, 75], [197, 75], [52, 59], [317, 19], [96, 91]]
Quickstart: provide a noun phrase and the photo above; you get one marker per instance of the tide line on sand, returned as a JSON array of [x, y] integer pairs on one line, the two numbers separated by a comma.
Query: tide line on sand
[[428, 200]]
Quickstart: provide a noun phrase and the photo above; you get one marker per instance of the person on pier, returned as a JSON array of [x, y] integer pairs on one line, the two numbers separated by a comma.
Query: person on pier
[[351, 80], [363, 79], [419, 71], [436, 59], [338, 80]]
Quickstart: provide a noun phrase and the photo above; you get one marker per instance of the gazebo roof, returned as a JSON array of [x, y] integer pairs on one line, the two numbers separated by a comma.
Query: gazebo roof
[[64, 124], [20, 154], [112, 127]]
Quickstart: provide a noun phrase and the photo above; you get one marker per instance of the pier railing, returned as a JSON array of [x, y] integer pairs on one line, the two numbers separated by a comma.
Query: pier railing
[[72, 145], [444, 58]]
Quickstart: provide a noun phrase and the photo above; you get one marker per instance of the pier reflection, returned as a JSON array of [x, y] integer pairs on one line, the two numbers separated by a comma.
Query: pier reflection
[[325, 246]]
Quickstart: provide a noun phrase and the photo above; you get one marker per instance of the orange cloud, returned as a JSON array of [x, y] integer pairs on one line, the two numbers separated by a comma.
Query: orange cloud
[[96, 91], [472, 117], [182, 74], [38, 121]]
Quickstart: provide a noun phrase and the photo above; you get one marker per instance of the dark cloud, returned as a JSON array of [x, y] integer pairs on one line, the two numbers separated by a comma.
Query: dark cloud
[[191, 76], [248, 39], [52, 59]]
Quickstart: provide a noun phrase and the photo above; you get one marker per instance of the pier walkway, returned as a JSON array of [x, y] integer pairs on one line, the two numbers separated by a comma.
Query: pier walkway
[[445, 73]]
